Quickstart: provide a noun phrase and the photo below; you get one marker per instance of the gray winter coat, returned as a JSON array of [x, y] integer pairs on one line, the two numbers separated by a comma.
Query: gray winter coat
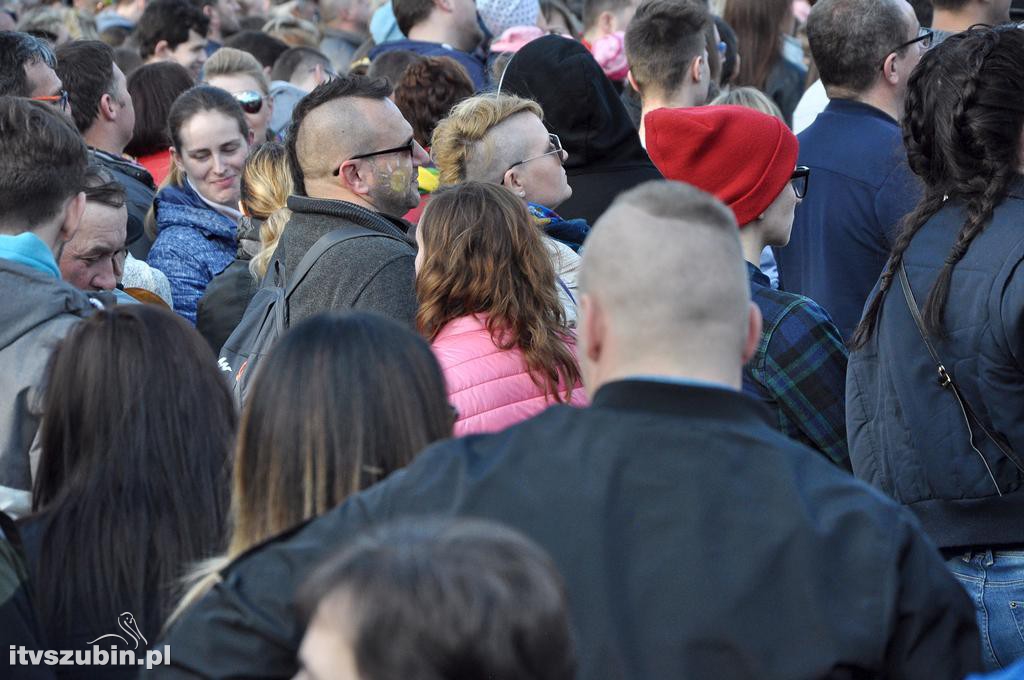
[[369, 274], [37, 313]]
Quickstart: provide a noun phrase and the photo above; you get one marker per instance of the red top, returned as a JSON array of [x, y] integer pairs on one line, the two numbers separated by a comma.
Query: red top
[[158, 164]]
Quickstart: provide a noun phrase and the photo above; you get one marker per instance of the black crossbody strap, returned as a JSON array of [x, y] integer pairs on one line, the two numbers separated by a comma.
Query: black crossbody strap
[[946, 380]]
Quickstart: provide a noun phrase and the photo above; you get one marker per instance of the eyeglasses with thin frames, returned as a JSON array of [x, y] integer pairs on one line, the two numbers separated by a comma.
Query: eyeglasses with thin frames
[[58, 100], [556, 148], [408, 147], [801, 179]]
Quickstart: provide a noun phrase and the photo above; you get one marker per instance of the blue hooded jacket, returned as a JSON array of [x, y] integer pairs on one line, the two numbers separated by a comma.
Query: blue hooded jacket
[[194, 244]]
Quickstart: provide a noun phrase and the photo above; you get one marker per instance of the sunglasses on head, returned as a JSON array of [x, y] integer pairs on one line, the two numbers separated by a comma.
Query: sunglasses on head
[[251, 101]]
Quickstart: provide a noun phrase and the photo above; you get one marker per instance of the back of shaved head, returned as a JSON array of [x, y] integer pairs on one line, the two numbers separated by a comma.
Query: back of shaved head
[[330, 124], [664, 263]]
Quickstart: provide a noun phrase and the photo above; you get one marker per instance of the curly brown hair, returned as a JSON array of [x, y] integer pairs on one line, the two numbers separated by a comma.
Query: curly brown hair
[[428, 90], [483, 254]]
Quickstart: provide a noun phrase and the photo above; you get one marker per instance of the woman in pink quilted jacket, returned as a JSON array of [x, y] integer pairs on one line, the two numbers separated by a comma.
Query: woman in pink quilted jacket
[[489, 307]]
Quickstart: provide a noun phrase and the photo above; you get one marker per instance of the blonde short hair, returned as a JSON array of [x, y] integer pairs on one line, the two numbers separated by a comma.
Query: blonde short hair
[[227, 61], [461, 141]]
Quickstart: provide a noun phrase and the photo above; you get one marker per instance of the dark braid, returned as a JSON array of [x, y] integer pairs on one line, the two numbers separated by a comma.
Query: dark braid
[[962, 130]]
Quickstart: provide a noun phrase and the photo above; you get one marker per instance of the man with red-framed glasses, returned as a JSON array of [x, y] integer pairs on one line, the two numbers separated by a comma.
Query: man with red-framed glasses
[[27, 70]]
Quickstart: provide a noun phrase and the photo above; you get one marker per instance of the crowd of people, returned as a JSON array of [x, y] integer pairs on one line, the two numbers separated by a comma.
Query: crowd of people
[[547, 339]]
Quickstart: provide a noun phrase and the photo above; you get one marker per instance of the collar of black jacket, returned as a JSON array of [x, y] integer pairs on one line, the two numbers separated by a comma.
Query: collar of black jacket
[[692, 401], [357, 214]]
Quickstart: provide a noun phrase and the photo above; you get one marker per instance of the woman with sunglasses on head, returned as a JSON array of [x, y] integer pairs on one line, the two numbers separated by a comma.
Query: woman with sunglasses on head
[[747, 159], [488, 305], [936, 371], [197, 211], [242, 75]]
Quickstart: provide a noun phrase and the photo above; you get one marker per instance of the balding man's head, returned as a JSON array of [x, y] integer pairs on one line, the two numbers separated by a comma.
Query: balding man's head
[[664, 289]]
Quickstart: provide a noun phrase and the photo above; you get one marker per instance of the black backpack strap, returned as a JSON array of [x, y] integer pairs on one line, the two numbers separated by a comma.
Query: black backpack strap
[[946, 380], [322, 245]]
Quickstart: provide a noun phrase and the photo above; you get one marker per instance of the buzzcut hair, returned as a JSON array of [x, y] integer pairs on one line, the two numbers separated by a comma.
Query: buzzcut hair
[[663, 38], [18, 50], [851, 38], [460, 145], [592, 10], [349, 85], [470, 594], [86, 68], [169, 20], [295, 58], [408, 13], [45, 160]]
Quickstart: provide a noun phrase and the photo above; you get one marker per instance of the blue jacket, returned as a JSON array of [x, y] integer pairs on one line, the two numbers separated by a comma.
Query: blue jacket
[[194, 244], [860, 188], [474, 65], [907, 434]]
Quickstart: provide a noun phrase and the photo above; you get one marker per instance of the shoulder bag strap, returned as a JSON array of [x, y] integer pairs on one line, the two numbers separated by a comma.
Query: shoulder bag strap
[[322, 245], [946, 380]]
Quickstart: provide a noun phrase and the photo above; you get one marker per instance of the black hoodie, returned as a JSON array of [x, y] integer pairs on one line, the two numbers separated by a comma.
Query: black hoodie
[[582, 107]]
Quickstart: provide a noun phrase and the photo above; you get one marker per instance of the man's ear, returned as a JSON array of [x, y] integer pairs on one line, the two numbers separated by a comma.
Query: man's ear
[[162, 50], [754, 325], [889, 70], [632, 80], [107, 110], [697, 69], [73, 212], [594, 327], [354, 178], [444, 5]]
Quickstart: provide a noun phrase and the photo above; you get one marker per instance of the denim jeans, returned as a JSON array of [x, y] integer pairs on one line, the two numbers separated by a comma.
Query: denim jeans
[[994, 580]]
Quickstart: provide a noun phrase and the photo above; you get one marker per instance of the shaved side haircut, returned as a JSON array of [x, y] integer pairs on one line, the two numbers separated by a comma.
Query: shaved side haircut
[[592, 10], [331, 134], [662, 40], [666, 265]]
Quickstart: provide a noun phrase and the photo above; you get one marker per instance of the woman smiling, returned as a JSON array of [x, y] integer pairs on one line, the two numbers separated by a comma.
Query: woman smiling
[[197, 213]]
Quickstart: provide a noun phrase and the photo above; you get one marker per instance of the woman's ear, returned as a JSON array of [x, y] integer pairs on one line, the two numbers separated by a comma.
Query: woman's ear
[[512, 182], [177, 160]]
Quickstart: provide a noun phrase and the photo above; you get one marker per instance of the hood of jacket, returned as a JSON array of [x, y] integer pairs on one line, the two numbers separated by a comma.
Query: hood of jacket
[[182, 207], [40, 298], [580, 104]]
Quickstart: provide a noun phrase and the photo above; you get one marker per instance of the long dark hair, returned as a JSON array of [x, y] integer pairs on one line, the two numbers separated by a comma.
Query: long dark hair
[[758, 26], [962, 130], [153, 89], [133, 481]]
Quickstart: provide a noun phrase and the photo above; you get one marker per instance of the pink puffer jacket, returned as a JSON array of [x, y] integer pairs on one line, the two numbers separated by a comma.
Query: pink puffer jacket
[[490, 387]]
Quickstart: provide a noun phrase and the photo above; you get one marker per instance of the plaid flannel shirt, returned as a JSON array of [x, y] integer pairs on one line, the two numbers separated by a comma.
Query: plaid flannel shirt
[[799, 369]]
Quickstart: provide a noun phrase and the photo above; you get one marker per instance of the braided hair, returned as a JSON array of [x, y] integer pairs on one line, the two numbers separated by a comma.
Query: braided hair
[[962, 130]]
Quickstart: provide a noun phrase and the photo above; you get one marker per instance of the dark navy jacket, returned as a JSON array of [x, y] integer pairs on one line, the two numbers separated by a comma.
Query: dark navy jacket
[[695, 542], [907, 435], [860, 188]]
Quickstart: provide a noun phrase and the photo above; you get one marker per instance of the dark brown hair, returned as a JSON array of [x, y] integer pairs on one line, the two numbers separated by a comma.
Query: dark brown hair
[[758, 27], [133, 477], [86, 69], [483, 254], [663, 39], [428, 91], [153, 88], [408, 13]]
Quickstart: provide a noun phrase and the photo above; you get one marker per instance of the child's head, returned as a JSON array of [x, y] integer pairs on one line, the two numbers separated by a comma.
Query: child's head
[[436, 600]]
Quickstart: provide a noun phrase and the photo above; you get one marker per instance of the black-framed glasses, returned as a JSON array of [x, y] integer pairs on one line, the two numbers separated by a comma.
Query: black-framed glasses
[[408, 147], [58, 100], [800, 179], [925, 36], [556, 148], [251, 101]]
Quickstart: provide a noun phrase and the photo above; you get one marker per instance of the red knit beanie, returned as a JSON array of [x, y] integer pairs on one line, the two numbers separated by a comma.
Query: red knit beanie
[[742, 156]]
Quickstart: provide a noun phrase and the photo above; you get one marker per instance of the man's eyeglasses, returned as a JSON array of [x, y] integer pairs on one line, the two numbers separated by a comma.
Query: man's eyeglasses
[[800, 179], [251, 101], [58, 100], [555, 148], [408, 147], [924, 37]]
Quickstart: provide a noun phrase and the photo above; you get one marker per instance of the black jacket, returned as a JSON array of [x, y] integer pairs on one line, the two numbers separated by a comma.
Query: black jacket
[[139, 194], [694, 539], [907, 434], [370, 274], [583, 108]]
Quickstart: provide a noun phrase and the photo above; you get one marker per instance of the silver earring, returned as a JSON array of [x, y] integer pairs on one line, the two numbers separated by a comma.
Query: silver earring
[[522, 194]]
